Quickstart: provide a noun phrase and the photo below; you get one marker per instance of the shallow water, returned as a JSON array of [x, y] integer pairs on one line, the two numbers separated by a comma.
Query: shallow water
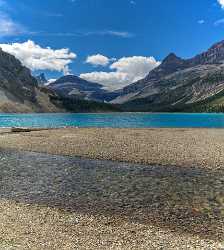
[[185, 199], [114, 120]]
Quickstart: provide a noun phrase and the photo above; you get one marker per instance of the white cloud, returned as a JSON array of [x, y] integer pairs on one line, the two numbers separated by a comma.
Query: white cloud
[[201, 21], [111, 80], [35, 57], [50, 81], [122, 34], [99, 60], [137, 66], [126, 71], [221, 2], [219, 22], [8, 27]]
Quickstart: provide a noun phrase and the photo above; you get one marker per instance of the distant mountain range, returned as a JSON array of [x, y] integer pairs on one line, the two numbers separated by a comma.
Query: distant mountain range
[[75, 94], [179, 84], [195, 84], [74, 87], [192, 85]]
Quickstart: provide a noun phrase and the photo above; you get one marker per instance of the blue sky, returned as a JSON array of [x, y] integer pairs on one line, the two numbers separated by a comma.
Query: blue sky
[[124, 39]]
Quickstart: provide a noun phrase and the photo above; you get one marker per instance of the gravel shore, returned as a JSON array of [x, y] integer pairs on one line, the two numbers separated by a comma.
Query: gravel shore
[[179, 147], [175, 200]]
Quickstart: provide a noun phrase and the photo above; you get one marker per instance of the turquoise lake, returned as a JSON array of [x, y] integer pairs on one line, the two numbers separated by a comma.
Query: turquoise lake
[[114, 120]]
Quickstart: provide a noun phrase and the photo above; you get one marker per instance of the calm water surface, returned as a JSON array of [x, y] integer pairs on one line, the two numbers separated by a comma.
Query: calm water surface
[[114, 120]]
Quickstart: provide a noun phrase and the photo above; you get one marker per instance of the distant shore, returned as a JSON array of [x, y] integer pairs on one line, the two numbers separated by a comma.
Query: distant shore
[[179, 147]]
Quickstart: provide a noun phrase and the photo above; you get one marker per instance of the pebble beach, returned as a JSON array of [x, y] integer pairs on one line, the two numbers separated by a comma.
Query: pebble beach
[[95, 188]]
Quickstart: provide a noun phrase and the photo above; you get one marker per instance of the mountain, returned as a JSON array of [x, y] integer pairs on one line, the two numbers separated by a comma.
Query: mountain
[[170, 64], [19, 90], [177, 83], [41, 79], [214, 55], [74, 87]]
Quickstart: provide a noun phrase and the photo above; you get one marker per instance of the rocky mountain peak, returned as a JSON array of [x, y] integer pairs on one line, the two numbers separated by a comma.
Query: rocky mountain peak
[[172, 58], [172, 63], [169, 65], [78, 82], [41, 79]]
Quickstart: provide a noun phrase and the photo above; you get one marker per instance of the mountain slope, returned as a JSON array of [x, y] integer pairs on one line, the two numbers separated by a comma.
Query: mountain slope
[[19, 90], [177, 82]]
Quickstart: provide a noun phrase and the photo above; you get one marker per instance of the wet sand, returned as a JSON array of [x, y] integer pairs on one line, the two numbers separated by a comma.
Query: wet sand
[[174, 200]]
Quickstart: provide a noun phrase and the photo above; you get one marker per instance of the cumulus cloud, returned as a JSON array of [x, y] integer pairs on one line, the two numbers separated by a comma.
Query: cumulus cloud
[[136, 66], [221, 2], [111, 80], [99, 60], [126, 71], [35, 57]]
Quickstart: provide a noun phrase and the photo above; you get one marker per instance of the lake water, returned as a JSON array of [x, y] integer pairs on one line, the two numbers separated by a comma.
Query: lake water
[[114, 120]]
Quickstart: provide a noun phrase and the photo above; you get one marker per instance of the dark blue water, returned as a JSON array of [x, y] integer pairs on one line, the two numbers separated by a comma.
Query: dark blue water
[[114, 120]]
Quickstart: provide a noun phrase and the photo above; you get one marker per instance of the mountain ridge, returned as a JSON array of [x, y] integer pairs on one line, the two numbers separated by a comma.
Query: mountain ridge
[[74, 87], [177, 81]]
